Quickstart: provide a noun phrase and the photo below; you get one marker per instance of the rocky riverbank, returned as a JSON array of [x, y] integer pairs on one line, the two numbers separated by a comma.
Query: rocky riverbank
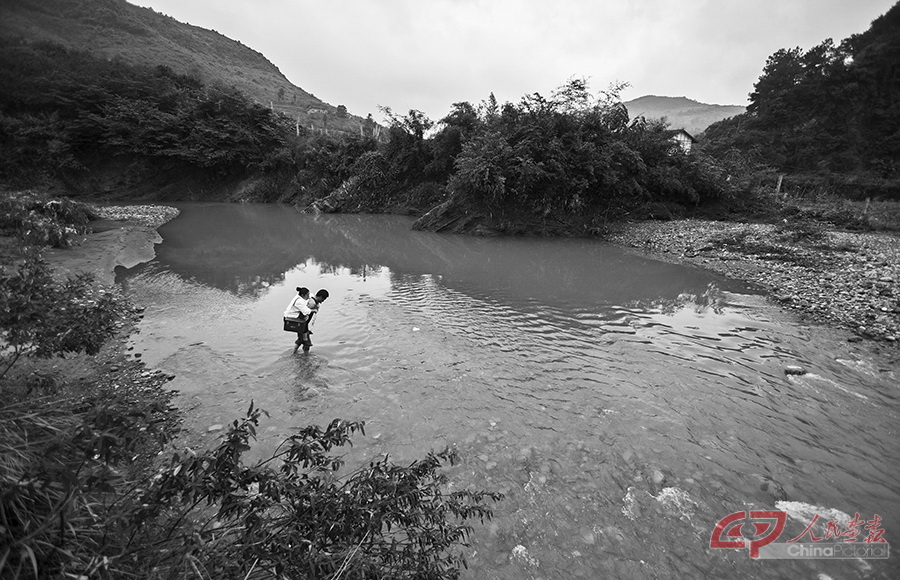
[[847, 279], [124, 236]]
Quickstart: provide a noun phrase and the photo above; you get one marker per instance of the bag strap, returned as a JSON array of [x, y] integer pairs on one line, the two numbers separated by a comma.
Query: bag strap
[[294, 302]]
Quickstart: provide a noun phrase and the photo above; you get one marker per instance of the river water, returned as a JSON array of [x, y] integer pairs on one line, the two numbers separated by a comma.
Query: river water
[[624, 405]]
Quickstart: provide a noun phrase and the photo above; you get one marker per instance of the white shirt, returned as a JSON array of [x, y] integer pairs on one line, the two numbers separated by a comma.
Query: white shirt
[[296, 308]]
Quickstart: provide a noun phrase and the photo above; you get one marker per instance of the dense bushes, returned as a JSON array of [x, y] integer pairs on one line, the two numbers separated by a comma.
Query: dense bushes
[[38, 220], [567, 155], [573, 154], [41, 317]]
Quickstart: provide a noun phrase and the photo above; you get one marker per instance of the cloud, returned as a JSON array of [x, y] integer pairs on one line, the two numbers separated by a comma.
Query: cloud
[[427, 55]]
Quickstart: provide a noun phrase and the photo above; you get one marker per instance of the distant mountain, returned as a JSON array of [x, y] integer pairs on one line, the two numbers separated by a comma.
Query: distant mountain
[[681, 112], [117, 29]]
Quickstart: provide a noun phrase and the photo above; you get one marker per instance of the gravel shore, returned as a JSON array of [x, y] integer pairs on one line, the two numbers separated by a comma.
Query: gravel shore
[[151, 216], [841, 278]]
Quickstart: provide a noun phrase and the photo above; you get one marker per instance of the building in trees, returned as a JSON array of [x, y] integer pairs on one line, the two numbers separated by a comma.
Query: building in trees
[[684, 140]]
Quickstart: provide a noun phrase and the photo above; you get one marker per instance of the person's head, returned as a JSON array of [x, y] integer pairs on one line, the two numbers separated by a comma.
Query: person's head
[[303, 291], [321, 295]]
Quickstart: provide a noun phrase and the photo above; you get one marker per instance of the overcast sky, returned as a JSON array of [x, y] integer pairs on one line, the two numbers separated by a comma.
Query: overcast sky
[[429, 54]]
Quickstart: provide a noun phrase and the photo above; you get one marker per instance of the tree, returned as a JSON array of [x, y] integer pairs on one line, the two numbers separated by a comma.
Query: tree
[[781, 73], [43, 318]]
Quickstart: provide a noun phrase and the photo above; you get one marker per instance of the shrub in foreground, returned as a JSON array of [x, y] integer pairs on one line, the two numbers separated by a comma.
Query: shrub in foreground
[[38, 220], [209, 515], [41, 317], [293, 516]]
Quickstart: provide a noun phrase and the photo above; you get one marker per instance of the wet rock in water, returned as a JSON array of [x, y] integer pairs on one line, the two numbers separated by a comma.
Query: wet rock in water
[[794, 370], [614, 533], [587, 536], [773, 489], [657, 478], [524, 454]]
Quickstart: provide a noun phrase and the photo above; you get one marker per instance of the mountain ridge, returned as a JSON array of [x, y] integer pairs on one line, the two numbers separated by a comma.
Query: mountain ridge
[[139, 35], [681, 112]]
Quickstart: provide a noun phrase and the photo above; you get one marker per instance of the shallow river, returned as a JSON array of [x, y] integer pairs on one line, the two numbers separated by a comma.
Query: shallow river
[[623, 405]]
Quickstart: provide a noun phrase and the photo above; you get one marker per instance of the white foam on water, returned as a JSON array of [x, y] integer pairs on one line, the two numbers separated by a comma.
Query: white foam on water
[[678, 502], [806, 513], [830, 383], [628, 504]]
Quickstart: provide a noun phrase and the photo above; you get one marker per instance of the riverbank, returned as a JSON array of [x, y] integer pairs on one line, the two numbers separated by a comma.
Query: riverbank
[[123, 237], [845, 279]]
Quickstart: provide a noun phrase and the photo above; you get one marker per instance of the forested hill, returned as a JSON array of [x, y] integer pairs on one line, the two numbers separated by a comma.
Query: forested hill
[[681, 112], [832, 108], [140, 36]]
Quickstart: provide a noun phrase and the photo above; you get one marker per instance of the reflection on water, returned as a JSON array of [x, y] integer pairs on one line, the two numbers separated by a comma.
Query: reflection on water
[[624, 405]]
